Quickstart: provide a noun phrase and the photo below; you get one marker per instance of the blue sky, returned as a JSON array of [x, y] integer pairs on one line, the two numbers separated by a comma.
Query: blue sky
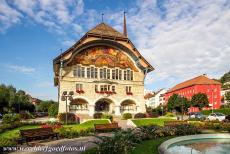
[[181, 39]]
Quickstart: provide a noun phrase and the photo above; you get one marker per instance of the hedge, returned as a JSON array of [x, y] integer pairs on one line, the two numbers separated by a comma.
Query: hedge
[[225, 111]]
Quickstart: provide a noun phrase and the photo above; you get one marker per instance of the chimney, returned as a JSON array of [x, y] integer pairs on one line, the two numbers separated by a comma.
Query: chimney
[[124, 28]]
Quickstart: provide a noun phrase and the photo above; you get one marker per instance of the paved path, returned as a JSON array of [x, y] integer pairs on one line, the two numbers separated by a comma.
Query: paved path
[[76, 142], [85, 142]]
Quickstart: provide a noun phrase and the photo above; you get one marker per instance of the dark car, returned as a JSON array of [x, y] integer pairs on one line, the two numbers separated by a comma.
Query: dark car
[[196, 115]]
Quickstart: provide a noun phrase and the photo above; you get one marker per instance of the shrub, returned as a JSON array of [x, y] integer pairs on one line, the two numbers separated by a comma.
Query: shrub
[[107, 116], [185, 129], [122, 142], [73, 133], [9, 118], [70, 117], [126, 116], [140, 115], [7, 142], [25, 115], [225, 111], [169, 114], [53, 110], [97, 115], [148, 132], [152, 114]]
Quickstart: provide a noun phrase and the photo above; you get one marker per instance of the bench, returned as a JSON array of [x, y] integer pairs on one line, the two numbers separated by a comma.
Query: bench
[[37, 133], [174, 123], [106, 127]]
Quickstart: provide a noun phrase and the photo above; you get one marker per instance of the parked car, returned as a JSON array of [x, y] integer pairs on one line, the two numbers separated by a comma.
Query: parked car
[[227, 118], [197, 115], [216, 116]]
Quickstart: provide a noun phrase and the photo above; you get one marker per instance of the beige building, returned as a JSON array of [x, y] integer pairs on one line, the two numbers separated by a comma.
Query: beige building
[[105, 73]]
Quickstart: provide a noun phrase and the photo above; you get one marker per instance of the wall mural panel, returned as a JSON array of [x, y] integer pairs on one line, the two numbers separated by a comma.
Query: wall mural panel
[[104, 56]]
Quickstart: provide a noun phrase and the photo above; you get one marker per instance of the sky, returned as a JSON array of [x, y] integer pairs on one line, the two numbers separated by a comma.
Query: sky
[[181, 39]]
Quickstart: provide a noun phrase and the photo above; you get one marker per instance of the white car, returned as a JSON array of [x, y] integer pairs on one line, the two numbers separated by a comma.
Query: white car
[[216, 116]]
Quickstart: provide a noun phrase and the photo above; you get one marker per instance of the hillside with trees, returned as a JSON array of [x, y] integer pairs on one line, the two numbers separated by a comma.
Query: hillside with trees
[[225, 78]]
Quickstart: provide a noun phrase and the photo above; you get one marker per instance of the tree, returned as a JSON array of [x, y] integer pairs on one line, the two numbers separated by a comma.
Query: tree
[[199, 100], [53, 110], [178, 103], [227, 96], [44, 106]]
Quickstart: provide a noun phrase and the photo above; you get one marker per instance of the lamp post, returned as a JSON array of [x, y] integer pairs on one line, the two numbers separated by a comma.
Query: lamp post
[[162, 110], [66, 97], [182, 107], [212, 100]]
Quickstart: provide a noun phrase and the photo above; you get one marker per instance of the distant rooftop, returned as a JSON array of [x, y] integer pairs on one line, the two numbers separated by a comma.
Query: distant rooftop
[[199, 80]]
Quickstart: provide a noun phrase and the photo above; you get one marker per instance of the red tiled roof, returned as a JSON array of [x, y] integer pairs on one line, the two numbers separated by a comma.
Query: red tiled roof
[[202, 79], [149, 95]]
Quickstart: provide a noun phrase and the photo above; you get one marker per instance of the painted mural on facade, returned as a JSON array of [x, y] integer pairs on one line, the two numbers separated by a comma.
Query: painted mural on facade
[[104, 56]]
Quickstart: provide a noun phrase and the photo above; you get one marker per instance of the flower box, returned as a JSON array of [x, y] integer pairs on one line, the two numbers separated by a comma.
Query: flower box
[[129, 93], [80, 91]]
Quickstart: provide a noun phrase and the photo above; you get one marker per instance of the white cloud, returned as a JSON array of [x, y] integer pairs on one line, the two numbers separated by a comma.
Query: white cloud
[[21, 69], [191, 40], [68, 43], [8, 16]]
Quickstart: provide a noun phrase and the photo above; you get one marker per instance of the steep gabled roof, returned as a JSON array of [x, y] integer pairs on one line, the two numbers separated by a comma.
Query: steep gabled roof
[[105, 30], [199, 80]]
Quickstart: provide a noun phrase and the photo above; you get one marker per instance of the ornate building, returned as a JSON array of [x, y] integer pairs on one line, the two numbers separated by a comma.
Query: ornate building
[[104, 72]]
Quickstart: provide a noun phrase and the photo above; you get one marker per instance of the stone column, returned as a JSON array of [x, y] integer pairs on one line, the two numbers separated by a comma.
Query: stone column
[[91, 110], [117, 110]]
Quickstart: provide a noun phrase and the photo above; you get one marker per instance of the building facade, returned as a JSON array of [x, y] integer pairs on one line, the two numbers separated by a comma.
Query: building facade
[[200, 84], [104, 72], [155, 99]]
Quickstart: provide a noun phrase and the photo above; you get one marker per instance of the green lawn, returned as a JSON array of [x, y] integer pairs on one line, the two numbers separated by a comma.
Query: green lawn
[[86, 125], [14, 133], [151, 121], [150, 146], [89, 124]]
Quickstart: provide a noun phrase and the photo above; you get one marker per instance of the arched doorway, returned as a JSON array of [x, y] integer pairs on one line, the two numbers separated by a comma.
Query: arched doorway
[[128, 106], [103, 105], [78, 104]]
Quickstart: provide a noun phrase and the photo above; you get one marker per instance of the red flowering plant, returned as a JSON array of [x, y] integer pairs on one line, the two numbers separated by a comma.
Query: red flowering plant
[[129, 93], [53, 125], [80, 91]]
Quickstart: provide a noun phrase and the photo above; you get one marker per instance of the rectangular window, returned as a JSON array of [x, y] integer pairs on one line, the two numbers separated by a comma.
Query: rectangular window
[[120, 74], [131, 75], [95, 72], [113, 89], [109, 87], [101, 87], [113, 74], [79, 86], [116, 74], [101, 73], [105, 88], [83, 72], [108, 73], [78, 71], [125, 74], [128, 74], [128, 89], [104, 73], [88, 72], [92, 72]]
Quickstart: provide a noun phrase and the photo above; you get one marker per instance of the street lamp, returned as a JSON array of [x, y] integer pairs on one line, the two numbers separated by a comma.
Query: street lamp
[[182, 106], [212, 100], [66, 97]]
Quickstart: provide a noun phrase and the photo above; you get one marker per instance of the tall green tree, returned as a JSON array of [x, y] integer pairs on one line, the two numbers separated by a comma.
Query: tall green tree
[[199, 100], [178, 103], [227, 96]]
